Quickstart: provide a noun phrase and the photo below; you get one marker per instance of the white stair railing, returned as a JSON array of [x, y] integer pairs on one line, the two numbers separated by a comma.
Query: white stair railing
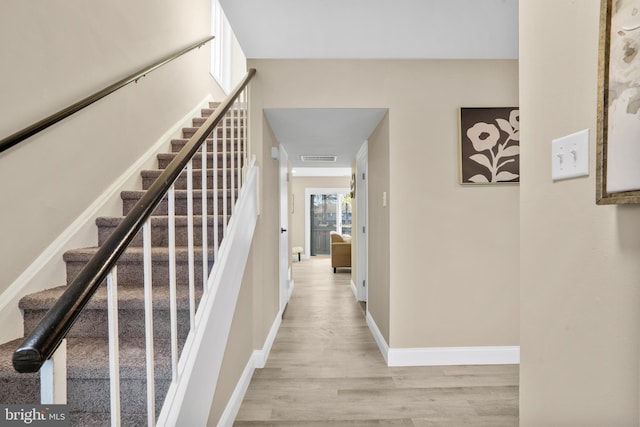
[[210, 320]]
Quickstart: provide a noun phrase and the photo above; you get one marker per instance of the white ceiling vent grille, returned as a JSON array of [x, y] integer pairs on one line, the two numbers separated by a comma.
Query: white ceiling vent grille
[[314, 158]]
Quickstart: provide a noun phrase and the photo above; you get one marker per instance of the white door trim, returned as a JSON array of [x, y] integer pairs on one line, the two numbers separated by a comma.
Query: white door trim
[[362, 216], [285, 251]]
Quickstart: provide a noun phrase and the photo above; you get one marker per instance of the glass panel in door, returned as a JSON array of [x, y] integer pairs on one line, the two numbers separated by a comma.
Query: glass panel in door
[[324, 209], [345, 215]]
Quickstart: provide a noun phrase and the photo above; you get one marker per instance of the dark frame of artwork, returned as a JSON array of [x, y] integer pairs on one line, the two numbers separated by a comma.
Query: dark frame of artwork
[[617, 179], [353, 185], [489, 145]]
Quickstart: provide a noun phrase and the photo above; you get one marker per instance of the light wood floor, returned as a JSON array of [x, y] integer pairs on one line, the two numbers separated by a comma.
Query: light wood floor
[[326, 370]]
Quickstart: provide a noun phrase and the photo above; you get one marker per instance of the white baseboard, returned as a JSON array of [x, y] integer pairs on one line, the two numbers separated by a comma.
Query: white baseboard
[[261, 356], [257, 361], [292, 285], [235, 401], [48, 269], [354, 290], [377, 335], [443, 356]]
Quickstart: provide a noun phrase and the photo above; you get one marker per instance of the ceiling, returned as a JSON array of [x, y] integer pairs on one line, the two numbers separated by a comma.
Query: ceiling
[[324, 131], [452, 29], [359, 29]]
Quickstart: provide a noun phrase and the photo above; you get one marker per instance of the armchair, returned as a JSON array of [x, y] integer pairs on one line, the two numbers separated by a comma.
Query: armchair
[[340, 251]]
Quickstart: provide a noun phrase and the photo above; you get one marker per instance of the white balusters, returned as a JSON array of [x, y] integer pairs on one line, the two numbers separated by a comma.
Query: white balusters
[[114, 346], [231, 157], [239, 151], [224, 176], [148, 323], [190, 257], [245, 154], [247, 119], [205, 252], [216, 221], [173, 305]]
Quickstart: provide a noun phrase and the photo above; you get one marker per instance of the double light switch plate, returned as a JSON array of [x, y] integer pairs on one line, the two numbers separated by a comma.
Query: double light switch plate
[[570, 156]]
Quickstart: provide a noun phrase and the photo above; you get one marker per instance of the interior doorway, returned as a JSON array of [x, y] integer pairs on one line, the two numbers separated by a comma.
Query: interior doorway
[[329, 212], [325, 211]]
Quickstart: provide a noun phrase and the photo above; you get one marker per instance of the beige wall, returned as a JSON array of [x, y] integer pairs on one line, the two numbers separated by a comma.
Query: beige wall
[[267, 235], [378, 224], [60, 52], [580, 299], [298, 186], [454, 258]]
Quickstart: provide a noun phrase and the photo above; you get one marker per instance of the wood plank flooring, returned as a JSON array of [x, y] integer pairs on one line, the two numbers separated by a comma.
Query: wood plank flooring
[[325, 369]]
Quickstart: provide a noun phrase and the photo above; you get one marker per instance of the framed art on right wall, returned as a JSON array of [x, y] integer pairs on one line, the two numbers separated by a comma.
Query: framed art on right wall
[[618, 144]]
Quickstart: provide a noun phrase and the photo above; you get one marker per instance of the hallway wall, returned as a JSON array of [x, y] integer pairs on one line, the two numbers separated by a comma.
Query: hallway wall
[[580, 274], [379, 234], [436, 225]]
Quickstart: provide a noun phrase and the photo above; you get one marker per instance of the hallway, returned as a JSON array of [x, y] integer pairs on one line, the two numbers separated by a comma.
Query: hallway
[[325, 369]]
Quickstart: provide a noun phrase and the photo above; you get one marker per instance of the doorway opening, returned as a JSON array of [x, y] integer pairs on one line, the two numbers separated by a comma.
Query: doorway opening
[[326, 210], [329, 212]]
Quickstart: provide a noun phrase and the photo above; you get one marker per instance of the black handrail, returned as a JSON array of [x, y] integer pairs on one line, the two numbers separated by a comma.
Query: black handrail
[[52, 329], [51, 120]]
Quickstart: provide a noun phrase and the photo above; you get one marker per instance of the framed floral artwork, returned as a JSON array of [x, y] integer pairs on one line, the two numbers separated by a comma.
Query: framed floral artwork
[[618, 150], [489, 145]]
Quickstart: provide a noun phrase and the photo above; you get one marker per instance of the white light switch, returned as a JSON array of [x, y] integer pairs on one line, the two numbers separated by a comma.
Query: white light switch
[[384, 199], [570, 156]]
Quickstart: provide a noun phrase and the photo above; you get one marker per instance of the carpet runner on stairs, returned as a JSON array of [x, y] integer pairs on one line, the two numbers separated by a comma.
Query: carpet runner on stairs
[[87, 343]]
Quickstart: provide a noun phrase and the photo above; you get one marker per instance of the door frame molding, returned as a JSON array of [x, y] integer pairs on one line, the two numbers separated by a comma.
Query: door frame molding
[[284, 249], [362, 218]]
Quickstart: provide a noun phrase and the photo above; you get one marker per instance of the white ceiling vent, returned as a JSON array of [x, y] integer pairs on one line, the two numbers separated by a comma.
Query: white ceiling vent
[[314, 158]]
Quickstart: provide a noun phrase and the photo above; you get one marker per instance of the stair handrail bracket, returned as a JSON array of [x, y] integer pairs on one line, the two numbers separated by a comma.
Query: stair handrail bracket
[[43, 341]]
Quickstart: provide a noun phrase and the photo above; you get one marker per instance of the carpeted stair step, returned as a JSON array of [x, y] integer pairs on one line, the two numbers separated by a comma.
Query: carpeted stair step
[[236, 132], [150, 176], [159, 227], [87, 348], [237, 121], [15, 388], [88, 374], [130, 265], [179, 143], [165, 158], [206, 112], [102, 419], [93, 322], [130, 198], [88, 379]]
